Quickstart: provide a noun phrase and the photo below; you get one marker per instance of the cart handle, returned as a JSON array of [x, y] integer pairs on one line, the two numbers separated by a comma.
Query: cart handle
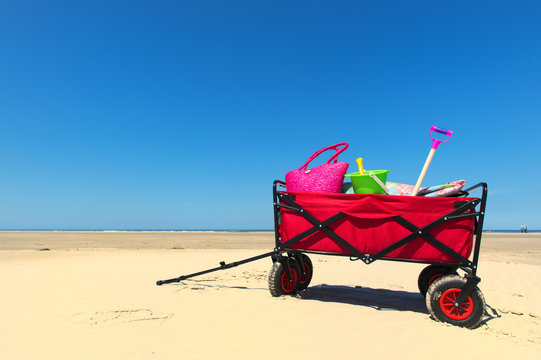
[[475, 187], [436, 142]]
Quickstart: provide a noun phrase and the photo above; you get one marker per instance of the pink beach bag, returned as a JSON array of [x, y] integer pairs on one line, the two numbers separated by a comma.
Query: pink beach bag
[[326, 178]]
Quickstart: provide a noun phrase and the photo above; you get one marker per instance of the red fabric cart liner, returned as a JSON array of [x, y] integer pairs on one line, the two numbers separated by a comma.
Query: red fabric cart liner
[[369, 225]]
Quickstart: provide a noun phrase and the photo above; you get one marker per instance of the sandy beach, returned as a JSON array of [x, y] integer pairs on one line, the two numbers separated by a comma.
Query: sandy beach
[[92, 295]]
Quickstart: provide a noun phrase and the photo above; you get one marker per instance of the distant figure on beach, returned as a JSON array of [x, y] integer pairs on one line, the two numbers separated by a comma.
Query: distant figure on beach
[[523, 229]]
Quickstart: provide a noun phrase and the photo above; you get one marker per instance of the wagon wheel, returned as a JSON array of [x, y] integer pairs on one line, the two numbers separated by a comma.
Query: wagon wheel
[[440, 300], [279, 281], [308, 271], [432, 273]]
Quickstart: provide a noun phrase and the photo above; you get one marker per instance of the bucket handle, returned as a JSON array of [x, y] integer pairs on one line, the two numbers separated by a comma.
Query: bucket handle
[[380, 183]]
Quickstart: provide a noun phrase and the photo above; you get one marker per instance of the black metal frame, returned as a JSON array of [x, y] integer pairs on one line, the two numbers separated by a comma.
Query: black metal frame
[[282, 200]]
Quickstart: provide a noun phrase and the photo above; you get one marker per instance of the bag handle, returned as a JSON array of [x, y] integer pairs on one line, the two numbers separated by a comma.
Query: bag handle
[[320, 151]]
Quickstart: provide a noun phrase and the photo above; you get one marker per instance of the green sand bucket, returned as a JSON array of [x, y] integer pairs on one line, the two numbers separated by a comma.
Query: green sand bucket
[[364, 184]]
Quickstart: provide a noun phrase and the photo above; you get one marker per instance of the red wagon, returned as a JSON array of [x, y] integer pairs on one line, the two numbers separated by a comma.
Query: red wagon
[[443, 232]]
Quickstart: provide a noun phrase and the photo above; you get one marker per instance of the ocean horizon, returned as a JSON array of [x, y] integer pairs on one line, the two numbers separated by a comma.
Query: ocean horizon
[[150, 230], [210, 230]]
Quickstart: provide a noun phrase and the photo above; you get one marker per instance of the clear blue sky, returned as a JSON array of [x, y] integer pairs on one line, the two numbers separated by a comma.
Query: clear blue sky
[[180, 114]]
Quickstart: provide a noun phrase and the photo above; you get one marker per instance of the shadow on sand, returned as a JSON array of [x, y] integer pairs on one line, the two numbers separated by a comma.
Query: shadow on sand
[[379, 299]]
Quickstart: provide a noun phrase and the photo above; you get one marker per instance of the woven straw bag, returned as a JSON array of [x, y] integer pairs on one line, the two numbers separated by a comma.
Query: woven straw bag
[[327, 178]]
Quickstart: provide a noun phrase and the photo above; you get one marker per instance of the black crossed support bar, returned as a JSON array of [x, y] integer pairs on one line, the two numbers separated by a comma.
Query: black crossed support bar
[[318, 226], [416, 232], [423, 232]]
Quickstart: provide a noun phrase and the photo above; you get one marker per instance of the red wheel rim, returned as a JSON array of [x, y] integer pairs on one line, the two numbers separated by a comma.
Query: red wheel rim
[[447, 304], [289, 286], [306, 276], [434, 278]]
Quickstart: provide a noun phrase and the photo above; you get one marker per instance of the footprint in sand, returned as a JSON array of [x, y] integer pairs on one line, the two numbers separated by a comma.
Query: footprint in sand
[[118, 317], [197, 288], [514, 324], [255, 275]]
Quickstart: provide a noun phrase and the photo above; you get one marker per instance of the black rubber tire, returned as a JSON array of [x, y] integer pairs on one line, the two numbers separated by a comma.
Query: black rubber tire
[[430, 274], [304, 280], [440, 296], [279, 283]]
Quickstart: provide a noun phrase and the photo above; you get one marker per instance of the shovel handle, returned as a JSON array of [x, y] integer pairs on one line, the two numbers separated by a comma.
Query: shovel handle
[[423, 172], [436, 142]]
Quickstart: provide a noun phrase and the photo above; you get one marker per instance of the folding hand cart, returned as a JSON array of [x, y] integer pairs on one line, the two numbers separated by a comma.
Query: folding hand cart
[[444, 232]]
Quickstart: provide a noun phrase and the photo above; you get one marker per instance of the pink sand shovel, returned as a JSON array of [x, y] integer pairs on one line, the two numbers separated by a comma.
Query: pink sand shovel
[[435, 144]]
